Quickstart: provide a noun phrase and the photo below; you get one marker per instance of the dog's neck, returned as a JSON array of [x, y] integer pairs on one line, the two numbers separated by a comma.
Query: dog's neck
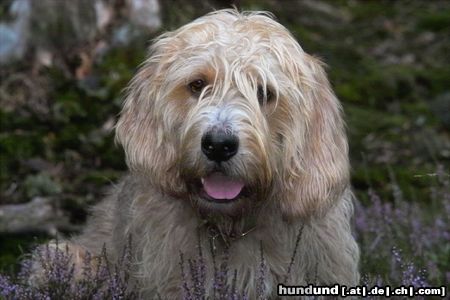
[[226, 230]]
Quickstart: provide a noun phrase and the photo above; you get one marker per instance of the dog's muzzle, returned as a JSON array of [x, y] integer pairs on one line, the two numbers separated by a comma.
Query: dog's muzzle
[[220, 146]]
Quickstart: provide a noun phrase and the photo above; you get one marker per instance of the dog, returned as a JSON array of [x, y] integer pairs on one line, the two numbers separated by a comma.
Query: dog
[[233, 138]]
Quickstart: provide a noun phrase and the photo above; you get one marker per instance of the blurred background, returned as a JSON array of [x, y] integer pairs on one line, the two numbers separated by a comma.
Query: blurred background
[[64, 65]]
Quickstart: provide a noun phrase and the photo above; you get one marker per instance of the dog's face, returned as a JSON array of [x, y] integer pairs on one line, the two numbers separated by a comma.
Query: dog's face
[[228, 112]]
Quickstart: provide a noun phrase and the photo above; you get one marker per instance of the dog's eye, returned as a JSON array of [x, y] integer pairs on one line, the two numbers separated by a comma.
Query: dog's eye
[[264, 97], [196, 86]]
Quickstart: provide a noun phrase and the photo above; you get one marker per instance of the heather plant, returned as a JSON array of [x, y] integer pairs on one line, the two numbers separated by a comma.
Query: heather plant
[[99, 279], [224, 281], [406, 242], [224, 284]]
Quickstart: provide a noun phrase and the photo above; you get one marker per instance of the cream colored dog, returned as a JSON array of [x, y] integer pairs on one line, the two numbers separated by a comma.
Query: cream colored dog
[[231, 133]]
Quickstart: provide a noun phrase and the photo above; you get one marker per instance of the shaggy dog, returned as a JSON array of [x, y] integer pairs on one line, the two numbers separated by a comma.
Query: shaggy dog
[[233, 137]]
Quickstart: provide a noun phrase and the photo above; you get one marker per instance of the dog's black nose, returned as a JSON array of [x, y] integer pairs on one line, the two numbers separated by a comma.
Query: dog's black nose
[[219, 146]]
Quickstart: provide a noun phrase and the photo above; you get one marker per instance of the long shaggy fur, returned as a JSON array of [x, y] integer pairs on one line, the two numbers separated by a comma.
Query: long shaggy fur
[[293, 157]]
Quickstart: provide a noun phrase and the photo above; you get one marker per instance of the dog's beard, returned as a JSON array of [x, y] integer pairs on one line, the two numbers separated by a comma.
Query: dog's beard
[[226, 219], [230, 190]]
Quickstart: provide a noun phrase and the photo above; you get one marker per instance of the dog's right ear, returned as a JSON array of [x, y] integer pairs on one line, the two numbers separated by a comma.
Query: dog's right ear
[[135, 126], [140, 128]]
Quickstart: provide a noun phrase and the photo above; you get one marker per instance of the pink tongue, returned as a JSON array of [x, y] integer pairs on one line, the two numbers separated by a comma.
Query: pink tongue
[[219, 186]]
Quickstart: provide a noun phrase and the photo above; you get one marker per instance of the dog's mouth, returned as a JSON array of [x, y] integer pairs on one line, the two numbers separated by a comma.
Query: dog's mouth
[[220, 193], [220, 188]]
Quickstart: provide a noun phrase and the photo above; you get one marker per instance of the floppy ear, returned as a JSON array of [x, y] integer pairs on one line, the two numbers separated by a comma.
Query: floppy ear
[[141, 127], [136, 127], [318, 170]]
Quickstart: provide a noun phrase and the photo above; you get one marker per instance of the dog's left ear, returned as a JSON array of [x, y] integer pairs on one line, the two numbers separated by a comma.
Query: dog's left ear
[[318, 166]]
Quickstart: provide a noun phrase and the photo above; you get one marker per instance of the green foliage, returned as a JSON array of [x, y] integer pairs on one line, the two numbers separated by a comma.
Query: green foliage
[[40, 185], [438, 21]]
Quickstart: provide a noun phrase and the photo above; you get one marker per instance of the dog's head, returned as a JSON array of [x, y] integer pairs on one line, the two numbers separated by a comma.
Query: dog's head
[[228, 111]]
